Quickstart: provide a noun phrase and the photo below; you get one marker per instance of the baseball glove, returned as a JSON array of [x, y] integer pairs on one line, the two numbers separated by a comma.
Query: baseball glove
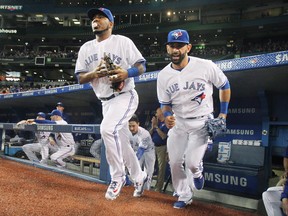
[[216, 127], [116, 86]]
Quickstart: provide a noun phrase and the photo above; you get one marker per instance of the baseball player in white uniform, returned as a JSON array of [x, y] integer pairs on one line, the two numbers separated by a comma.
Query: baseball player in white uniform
[[117, 106], [42, 145], [64, 141], [95, 148], [184, 89], [144, 148]]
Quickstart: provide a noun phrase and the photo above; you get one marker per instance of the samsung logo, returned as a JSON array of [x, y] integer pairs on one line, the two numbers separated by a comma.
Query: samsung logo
[[52, 91], [226, 179], [148, 76], [240, 132], [8, 96], [281, 58], [242, 110], [28, 94], [45, 127], [76, 87], [225, 65]]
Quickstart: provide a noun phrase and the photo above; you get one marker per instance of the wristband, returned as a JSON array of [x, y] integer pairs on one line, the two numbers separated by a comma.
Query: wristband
[[224, 107], [167, 113], [133, 72]]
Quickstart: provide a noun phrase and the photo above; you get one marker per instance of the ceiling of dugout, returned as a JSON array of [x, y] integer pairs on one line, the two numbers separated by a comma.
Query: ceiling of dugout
[[247, 83]]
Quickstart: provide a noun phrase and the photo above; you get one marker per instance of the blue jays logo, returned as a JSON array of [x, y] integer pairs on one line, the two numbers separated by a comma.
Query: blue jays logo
[[199, 98], [59, 136], [177, 34]]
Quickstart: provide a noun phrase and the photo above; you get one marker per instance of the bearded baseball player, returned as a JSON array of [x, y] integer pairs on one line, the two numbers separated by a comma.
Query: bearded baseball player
[[109, 63], [184, 89]]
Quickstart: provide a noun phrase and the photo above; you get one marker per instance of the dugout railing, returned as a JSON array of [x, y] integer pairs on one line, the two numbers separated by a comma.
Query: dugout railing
[[70, 128]]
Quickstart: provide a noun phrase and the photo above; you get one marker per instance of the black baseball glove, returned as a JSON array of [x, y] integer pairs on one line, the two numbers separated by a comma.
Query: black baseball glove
[[116, 86], [216, 127]]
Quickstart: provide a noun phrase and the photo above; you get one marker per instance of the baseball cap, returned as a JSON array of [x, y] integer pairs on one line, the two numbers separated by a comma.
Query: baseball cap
[[104, 11], [60, 104], [178, 36], [55, 112], [41, 114]]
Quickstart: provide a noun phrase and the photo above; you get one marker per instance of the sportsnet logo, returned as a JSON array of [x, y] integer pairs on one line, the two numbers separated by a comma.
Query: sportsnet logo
[[177, 34], [11, 7]]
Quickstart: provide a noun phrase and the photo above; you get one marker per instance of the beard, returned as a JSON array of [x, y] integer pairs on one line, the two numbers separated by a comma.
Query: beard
[[99, 32], [177, 61]]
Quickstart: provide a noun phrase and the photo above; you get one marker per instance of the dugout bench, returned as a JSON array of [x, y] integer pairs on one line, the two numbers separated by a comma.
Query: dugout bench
[[90, 160]]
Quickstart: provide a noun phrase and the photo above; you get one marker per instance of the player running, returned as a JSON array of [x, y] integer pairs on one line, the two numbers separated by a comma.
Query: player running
[[118, 105], [184, 89]]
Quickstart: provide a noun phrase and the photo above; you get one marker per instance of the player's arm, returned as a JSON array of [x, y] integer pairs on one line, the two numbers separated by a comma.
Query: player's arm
[[98, 72], [39, 121], [284, 198], [122, 74], [161, 133], [224, 97], [168, 114]]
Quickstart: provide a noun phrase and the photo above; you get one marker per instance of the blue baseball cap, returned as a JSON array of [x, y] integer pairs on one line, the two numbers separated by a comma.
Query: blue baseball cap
[[41, 114], [60, 104], [104, 11], [178, 36], [55, 112]]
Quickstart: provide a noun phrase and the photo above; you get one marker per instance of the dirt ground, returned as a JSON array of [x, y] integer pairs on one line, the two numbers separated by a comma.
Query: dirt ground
[[27, 190]]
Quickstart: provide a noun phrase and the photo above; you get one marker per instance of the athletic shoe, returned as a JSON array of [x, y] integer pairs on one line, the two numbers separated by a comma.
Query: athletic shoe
[[114, 189], [61, 166], [182, 204], [175, 194], [139, 187], [199, 182]]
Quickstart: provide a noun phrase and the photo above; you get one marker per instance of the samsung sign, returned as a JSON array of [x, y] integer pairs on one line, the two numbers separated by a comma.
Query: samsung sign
[[237, 181]]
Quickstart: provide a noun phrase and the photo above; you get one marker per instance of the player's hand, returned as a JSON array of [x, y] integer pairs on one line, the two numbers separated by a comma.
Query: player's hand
[[30, 121], [170, 121], [154, 122], [101, 70], [285, 206], [118, 74], [22, 122], [52, 141]]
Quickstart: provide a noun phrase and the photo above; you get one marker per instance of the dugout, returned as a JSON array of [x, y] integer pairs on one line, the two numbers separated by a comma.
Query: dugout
[[257, 122]]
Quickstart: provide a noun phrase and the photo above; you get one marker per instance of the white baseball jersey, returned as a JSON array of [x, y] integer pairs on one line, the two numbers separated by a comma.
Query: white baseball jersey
[[120, 49], [190, 90], [64, 139], [42, 137], [141, 139]]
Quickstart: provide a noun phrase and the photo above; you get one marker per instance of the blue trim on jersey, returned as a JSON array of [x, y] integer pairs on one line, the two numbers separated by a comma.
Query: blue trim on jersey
[[44, 121], [165, 104], [225, 86], [224, 107]]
